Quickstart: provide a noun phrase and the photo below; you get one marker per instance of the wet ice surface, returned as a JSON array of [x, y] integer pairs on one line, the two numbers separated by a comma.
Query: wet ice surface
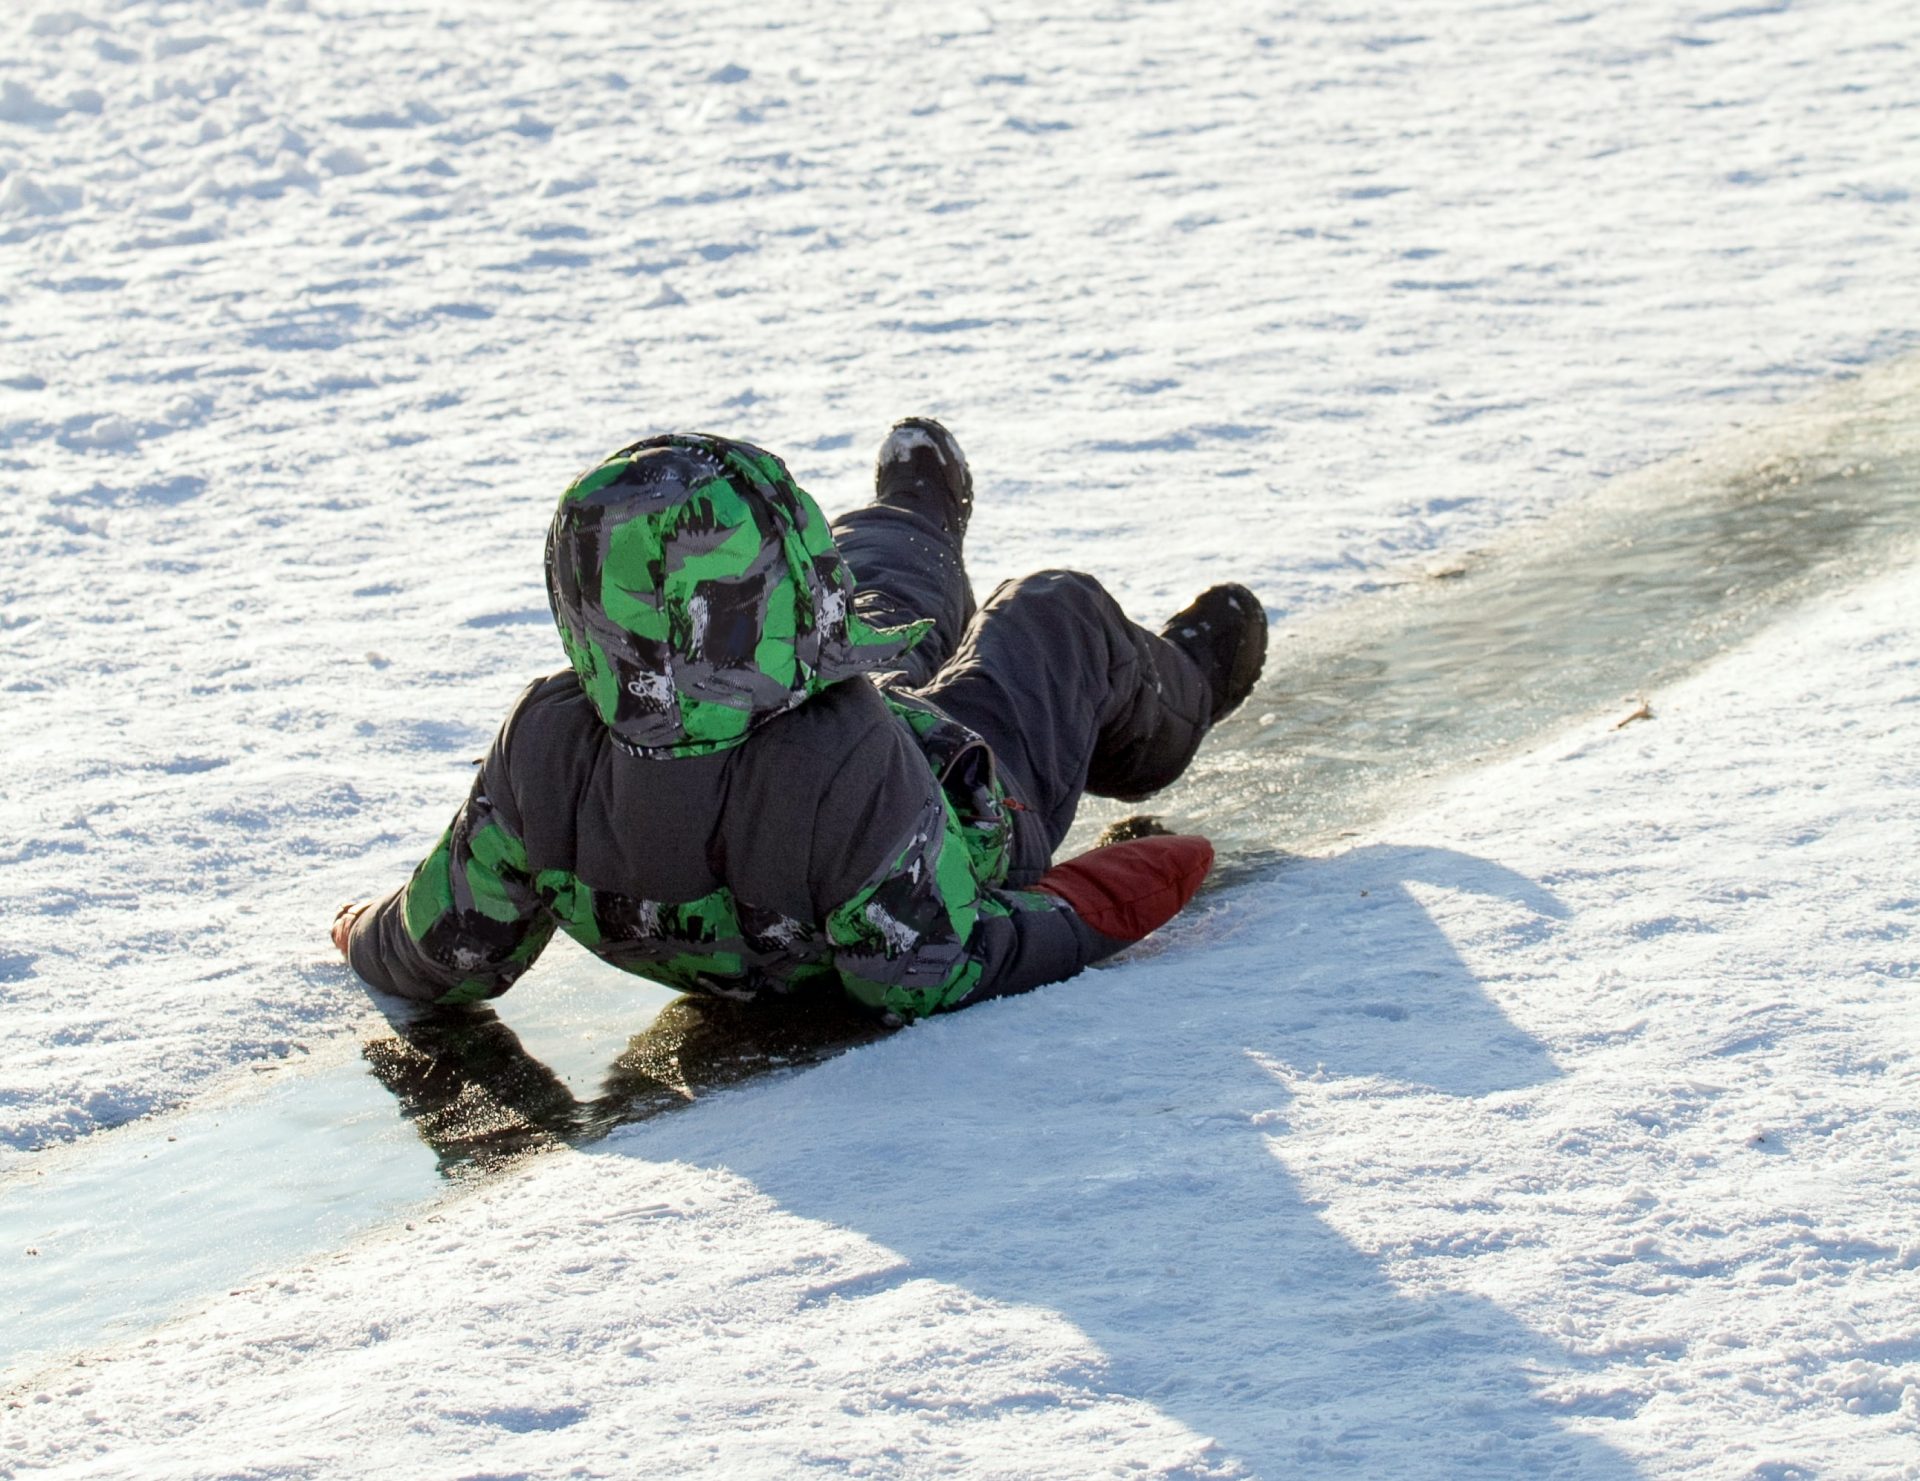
[[115, 1232], [1602, 606], [109, 1238]]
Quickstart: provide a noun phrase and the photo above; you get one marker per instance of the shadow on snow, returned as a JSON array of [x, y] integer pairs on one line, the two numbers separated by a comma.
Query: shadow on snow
[[1107, 1150]]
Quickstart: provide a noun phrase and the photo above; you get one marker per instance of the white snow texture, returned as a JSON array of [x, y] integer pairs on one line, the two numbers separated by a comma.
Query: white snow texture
[[1563, 1125]]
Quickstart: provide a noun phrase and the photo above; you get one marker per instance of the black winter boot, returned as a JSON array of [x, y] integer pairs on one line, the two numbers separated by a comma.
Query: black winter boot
[[921, 468], [1224, 631]]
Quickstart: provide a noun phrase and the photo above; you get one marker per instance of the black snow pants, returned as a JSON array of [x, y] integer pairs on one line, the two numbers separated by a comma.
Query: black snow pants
[[1071, 695]]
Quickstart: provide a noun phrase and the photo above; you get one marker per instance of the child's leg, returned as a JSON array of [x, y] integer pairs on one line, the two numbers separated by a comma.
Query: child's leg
[[907, 566], [1073, 697], [904, 548]]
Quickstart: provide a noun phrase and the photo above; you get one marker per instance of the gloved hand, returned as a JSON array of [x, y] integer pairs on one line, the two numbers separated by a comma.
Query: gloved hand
[[1123, 891], [343, 920]]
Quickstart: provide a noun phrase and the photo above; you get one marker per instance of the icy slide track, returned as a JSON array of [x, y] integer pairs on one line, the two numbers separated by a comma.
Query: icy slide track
[[1602, 605]]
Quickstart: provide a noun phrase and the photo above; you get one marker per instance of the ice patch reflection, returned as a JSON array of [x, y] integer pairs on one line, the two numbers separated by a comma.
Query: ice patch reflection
[[1614, 599]]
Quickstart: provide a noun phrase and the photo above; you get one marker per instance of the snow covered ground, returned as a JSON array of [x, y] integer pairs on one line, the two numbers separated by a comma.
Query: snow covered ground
[[1564, 1125]]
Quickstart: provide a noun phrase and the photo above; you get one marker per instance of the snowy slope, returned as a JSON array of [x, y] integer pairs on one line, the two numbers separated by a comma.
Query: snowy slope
[[1565, 1127], [307, 312]]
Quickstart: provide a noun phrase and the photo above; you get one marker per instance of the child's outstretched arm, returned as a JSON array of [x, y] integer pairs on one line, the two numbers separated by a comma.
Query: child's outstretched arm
[[468, 922]]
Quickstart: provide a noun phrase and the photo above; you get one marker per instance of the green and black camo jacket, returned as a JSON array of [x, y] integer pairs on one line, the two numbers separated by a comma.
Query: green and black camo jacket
[[857, 838]]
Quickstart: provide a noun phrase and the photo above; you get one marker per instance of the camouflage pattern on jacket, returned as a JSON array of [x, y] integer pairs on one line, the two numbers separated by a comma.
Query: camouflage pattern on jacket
[[704, 606], [698, 593], [905, 942]]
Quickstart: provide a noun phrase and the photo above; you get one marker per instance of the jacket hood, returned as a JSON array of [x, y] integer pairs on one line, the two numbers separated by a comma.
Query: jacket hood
[[698, 593]]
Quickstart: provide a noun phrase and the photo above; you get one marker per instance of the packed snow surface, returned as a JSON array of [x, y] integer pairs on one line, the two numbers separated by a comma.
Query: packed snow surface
[[1563, 1124]]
